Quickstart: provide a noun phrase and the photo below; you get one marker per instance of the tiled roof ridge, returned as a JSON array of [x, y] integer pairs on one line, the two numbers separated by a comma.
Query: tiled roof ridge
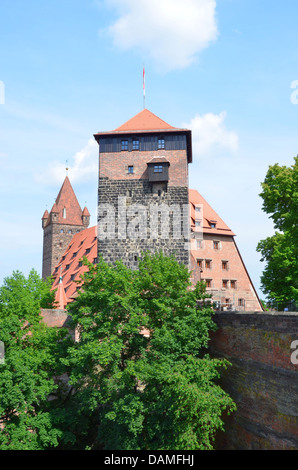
[[146, 120]]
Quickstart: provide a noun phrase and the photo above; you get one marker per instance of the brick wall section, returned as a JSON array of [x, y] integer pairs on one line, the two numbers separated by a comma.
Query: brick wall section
[[235, 271], [114, 165], [262, 380], [55, 317]]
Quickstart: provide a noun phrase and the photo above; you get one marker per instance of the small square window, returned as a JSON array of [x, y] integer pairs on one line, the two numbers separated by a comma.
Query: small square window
[[199, 244], [225, 265], [130, 170], [198, 223], [208, 264], [124, 145]]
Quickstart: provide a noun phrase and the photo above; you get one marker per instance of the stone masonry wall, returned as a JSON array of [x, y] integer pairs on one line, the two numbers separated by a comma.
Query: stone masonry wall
[[118, 243], [263, 380], [56, 239]]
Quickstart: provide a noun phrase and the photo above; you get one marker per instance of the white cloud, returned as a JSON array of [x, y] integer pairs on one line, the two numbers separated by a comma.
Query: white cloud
[[172, 32], [83, 168], [210, 136]]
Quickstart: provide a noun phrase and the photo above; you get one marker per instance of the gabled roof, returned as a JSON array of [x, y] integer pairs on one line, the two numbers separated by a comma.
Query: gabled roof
[[207, 216], [67, 206]]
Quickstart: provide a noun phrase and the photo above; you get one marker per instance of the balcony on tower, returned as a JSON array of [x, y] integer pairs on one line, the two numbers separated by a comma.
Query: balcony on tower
[[158, 170]]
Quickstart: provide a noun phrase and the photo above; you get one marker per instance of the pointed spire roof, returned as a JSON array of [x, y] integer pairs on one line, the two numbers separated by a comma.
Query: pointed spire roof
[[45, 215], [67, 205], [86, 212], [60, 296]]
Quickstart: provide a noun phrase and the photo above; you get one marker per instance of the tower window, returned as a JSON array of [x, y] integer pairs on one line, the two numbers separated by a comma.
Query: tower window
[[208, 263], [124, 145], [62, 231], [135, 144], [225, 265], [64, 213], [157, 169], [200, 263], [130, 170], [161, 143]]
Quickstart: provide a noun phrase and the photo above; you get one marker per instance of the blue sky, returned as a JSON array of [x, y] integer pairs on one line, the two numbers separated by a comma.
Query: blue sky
[[70, 68]]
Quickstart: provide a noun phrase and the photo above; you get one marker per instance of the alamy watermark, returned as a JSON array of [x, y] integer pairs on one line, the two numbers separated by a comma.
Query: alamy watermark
[[2, 93], [155, 221], [294, 95]]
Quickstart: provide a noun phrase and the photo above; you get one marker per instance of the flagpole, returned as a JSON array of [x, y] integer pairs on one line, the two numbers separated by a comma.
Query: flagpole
[[144, 86]]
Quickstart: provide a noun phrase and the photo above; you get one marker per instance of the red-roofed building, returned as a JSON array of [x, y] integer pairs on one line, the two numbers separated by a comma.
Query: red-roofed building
[[145, 161]]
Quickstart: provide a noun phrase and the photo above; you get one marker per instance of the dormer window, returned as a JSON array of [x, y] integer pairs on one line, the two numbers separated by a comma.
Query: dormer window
[[130, 169], [157, 168]]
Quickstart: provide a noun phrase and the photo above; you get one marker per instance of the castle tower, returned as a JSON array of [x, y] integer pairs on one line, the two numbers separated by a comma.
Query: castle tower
[[59, 226], [143, 202]]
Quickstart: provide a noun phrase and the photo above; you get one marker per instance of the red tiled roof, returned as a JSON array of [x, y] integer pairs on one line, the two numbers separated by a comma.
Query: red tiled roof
[[207, 216], [60, 296], [66, 199], [145, 120], [85, 211], [69, 265]]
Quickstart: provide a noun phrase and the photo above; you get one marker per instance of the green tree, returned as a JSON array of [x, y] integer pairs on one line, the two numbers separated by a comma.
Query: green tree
[[280, 252], [139, 368], [30, 364]]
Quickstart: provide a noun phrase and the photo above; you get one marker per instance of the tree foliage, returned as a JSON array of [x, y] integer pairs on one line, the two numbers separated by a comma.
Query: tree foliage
[[280, 252], [30, 364], [138, 370]]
